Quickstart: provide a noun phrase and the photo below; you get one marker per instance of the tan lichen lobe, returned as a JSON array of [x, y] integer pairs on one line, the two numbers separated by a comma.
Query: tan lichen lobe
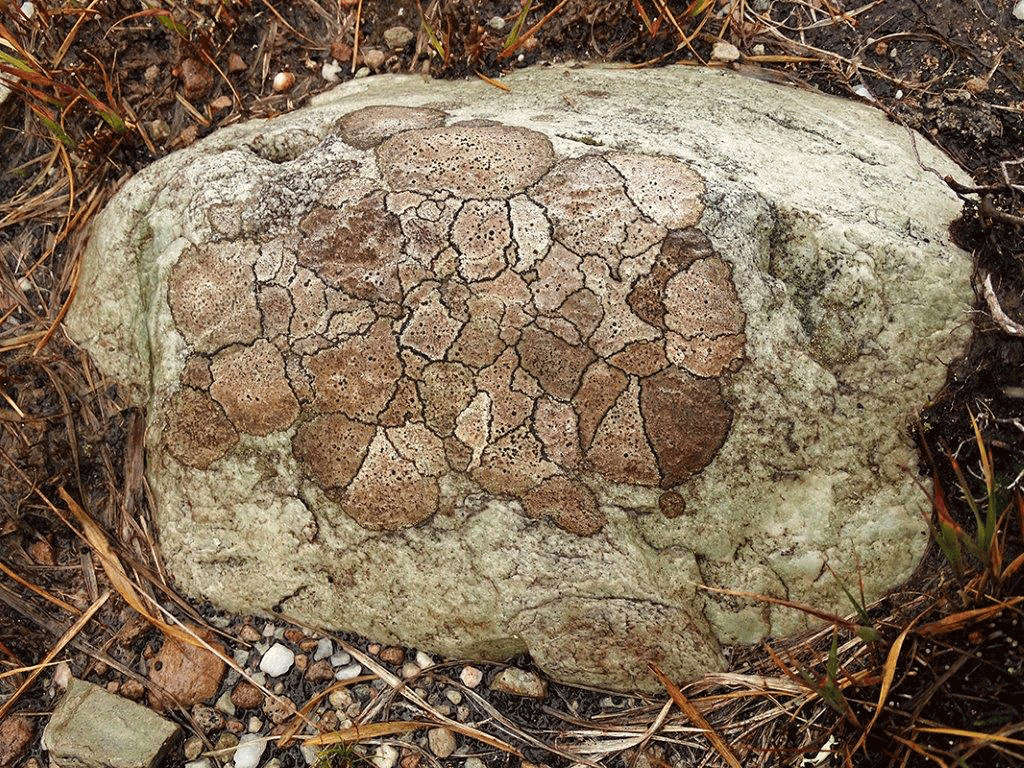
[[686, 419], [369, 126], [472, 162], [251, 385], [212, 295], [569, 503], [355, 249], [482, 317], [196, 431], [331, 447]]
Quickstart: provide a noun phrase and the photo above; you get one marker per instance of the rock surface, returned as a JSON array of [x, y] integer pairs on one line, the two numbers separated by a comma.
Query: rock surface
[[484, 372], [91, 728]]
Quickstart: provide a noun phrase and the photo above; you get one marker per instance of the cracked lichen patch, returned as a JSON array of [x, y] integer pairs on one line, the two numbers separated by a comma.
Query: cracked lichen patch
[[448, 374], [533, 327]]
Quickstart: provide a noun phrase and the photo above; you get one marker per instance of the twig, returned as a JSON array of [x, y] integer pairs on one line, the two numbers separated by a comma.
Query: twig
[[1004, 321], [64, 640]]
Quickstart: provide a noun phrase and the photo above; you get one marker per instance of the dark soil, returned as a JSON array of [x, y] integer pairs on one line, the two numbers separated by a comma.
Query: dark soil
[[952, 70]]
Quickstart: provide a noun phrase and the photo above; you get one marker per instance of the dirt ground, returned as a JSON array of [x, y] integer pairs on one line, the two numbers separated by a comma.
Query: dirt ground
[[123, 84]]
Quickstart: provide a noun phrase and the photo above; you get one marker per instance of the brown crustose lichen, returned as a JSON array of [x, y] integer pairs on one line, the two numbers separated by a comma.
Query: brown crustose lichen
[[490, 314]]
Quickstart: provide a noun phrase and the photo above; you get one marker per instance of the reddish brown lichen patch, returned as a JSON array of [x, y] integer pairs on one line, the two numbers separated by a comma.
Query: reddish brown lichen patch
[[331, 448], [478, 318], [358, 376], [568, 503], [555, 364], [250, 383], [369, 126], [486, 161], [513, 464], [355, 249], [389, 492], [687, 420], [619, 450], [196, 430], [212, 296]]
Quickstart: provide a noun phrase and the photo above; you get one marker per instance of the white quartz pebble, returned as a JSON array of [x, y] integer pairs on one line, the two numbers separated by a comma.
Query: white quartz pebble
[[348, 672], [385, 756], [324, 648], [340, 659], [471, 677], [423, 660], [277, 660], [249, 751]]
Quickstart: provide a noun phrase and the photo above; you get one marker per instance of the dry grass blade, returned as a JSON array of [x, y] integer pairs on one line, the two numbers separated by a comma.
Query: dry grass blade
[[696, 718], [66, 638], [491, 81], [363, 732], [510, 727], [887, 677], [508, 50], [979, 736], [40, 591], [958, 621], [115, 571]]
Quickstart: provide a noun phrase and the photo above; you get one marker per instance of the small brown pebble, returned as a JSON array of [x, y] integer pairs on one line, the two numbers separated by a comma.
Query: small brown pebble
[[301, 662], [283, 82], [16, 733], [236, 64], [221, 103], [320, 671], [881, 48], [373, 648], [279, 709], [196, 78], [410, 761], [132, 689], [396, 38], [976, 85], [207, 718], [234, 726], [519, 682], [187, 137], [100, 668], [341, 51], [471, 677], [159, 130], [249, 634], [441, 741], [113, 686], [41, 551], [245, 695], [188, 674], [308, 644], [329, 720], [151, 74], [530, 44], [294, 636], [226, 741], [193, 747], [392, 655], [374, 59]]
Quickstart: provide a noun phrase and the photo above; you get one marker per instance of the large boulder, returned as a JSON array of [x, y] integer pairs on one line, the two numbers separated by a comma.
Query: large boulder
[[485, 372]]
